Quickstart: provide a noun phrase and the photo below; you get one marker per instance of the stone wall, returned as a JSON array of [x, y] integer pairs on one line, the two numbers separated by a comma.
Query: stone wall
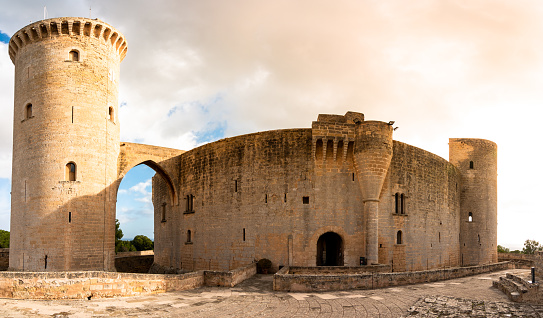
[[284, 281], [134, 262], [86, 285]]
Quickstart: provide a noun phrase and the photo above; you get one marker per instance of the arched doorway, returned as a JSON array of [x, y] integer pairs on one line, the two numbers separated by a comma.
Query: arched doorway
[[330, 250]]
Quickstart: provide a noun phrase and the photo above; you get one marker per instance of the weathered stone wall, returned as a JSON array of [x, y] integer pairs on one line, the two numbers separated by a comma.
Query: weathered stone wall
[[4, 259], [86, 285], [134, 262], [229, 278], [429, 218], [65, 111], [284, 281]]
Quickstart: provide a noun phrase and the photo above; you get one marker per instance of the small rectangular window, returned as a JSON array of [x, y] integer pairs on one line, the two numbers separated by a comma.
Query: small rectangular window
[[69, 217], [235, 185], [243, 234], [305, 200]]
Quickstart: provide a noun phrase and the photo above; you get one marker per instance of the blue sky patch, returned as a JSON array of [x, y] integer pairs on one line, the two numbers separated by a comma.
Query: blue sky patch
[[214, 131], [4, 38]]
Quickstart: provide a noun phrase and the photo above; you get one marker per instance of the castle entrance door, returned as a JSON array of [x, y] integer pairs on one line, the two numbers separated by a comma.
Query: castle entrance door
[[330, 250]]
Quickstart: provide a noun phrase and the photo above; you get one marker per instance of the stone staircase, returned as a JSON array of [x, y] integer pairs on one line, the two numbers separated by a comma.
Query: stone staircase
[[518, 289]]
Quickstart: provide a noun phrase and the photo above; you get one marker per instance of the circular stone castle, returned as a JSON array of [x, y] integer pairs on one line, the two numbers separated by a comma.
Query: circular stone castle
[[341, 193]]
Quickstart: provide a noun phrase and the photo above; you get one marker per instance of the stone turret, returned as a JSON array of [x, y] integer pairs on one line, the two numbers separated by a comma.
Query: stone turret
[[476, 159], [65, 144], [372, 156]]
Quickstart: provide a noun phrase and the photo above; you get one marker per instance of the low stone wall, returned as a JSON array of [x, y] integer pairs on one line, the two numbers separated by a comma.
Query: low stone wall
[[86, 285], [230, 278], [284, 281], [134, 262], [4, 259], [335, 270]]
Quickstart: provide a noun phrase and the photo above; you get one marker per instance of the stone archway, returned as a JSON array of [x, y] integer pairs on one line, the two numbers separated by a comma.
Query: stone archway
[[330, 250]]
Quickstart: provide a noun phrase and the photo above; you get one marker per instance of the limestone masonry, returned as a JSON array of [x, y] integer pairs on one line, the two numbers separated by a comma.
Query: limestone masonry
[[341, 193]]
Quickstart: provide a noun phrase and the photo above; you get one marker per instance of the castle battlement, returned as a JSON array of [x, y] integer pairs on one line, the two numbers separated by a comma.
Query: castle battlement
[[44, 29]]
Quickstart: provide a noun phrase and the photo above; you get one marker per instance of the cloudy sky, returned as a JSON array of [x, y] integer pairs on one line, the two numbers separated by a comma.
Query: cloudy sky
[[197, 71]]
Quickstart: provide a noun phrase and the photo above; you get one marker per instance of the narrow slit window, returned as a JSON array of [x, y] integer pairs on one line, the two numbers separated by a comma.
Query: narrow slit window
[[163, 212], [243, 234], [72, 114], [189, 237], [397, 203], [111, 114], [266, 198], [45, 261], [74, 56], [69, 217], [285, 197], [402, 203], [353, 176], [71, 171], [235, 185], [399, 239], [189, 204], [471, 164], [28, 111]]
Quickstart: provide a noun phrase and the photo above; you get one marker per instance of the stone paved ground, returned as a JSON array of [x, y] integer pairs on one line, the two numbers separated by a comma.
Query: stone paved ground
[[464, 297]]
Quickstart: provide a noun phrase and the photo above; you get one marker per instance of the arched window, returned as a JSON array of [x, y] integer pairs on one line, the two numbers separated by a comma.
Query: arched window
[[28, 111], [71, 171], [189, 237], [470, 217], [111, 114], [399, 238], [74, 56]]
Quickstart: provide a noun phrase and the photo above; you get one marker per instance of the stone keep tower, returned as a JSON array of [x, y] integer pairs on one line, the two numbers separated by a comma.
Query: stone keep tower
[[65, 144], [476, 160]]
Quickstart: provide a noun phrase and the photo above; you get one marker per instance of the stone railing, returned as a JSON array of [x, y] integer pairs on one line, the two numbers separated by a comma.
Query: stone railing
[[285, 281]]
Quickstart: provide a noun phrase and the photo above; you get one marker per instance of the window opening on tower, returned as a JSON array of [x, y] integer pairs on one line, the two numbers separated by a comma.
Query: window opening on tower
[[74, 56], [28, 111], [70, 171]]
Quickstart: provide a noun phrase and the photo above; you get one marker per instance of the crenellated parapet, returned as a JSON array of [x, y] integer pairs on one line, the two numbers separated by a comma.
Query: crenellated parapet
[[74, 27], [333, 138]]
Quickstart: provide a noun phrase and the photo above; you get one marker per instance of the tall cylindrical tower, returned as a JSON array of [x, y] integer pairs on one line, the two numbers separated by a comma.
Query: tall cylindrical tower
[[476, 159], [65, 144], [372, 156]]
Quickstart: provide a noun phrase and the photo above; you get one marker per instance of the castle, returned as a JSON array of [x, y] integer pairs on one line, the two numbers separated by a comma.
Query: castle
[[341, 193]]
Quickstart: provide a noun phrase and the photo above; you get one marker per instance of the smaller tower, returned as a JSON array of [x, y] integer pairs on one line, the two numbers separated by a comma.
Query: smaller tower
[[372, 156], [476, 159]]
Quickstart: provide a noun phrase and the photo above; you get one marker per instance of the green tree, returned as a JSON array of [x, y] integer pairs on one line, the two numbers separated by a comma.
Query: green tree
[[502, 249], [4, 239], [118, 232], [142, 243], [124, 246], [531, 246]]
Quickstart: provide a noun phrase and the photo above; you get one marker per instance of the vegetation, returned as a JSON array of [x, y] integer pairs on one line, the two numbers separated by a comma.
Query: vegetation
[[139, 243], [4, 239], [142, 243], [531, 246], [502, 249]]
